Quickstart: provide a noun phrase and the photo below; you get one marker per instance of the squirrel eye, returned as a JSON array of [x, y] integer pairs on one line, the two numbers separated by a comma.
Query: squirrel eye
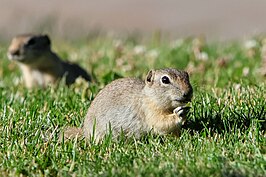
[[31, 42], [165, 80]]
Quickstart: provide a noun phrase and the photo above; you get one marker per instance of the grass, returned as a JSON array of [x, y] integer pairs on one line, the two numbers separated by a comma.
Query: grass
[[224, 134]]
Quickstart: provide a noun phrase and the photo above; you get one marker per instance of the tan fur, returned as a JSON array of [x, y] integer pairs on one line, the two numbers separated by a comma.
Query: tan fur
[[70, 133], [39, 64], [137, 107]]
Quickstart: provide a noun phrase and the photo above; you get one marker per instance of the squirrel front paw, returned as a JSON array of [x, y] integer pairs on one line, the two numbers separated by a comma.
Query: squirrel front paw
[[181, 111]]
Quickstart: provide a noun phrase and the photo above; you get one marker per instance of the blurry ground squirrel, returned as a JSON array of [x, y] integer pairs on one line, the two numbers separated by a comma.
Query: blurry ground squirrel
[[134, 106], [39, 64]]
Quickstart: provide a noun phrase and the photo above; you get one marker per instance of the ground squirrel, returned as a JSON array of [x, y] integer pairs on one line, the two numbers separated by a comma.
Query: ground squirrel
[[136, 107], [39, 64]]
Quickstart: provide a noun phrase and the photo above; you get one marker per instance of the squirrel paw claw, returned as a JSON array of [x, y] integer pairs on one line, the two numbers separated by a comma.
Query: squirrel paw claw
[[181, 111]]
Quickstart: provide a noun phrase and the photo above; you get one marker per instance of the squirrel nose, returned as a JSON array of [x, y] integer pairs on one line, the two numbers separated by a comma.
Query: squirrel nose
[[188, 95], [15, 52]]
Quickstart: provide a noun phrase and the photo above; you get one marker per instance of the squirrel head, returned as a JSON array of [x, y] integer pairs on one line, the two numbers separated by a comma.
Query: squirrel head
[[168, 88], [27, 48]]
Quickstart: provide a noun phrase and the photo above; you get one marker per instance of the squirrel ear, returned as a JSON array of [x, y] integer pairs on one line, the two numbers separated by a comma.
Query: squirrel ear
[[187, 74], [47, 39], [150, 77]]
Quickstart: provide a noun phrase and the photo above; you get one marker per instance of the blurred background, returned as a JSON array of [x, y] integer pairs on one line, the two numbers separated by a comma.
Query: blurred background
[[219, 20]]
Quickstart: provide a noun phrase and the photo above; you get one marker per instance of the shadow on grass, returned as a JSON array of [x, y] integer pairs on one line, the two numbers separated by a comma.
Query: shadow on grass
[[215, 122]]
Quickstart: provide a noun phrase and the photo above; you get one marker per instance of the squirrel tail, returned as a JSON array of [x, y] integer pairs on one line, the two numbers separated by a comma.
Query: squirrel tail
[[70, 133]]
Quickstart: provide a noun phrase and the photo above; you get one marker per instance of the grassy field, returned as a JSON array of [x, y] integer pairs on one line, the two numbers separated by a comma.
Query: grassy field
[[224, 135]]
